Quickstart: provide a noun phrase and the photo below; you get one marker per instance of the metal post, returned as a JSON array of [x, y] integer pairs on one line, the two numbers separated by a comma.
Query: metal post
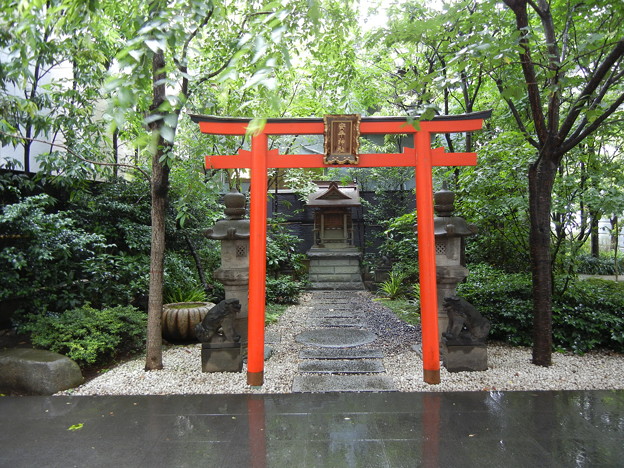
[[426, 260], [257, 259]]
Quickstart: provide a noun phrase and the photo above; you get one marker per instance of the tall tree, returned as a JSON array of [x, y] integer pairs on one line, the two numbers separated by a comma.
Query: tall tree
[[574, 75]]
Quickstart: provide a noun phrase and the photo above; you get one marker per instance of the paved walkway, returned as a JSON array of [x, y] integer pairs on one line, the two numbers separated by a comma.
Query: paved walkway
[[390, 429], [338, 356]]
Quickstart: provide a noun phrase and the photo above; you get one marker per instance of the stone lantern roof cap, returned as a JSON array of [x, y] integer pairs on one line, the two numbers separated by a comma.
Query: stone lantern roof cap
[[445, 224], [235, 226], [453, 226]]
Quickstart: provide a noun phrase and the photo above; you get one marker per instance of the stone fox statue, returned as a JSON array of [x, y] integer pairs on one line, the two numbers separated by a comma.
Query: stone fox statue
[[218, 325], [466, 325]]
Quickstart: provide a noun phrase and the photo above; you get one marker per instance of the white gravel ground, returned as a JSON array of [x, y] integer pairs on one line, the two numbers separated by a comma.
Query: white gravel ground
[[509, 368]]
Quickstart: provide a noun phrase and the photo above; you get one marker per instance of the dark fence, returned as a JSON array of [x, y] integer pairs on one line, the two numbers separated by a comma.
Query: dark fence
[[368, 233]]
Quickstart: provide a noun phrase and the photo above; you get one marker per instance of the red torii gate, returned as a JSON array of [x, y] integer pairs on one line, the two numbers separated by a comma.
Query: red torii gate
[[422, 157]]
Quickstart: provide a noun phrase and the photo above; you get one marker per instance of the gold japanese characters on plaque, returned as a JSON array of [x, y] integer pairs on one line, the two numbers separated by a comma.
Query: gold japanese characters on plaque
[[342, 139]]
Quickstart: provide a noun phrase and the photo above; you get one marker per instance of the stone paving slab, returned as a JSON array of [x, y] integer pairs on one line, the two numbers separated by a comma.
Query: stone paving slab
[[333, 301], [333, 307], [340, 353], [342, 366], [309, 383], [320, 314], [335, 337], [324, 322]]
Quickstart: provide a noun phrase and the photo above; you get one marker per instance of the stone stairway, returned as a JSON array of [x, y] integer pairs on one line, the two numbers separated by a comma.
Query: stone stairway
[[339, 355]]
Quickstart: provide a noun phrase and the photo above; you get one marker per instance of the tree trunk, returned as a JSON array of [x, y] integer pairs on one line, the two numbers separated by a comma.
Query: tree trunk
[[159, 191], [541, 180], [595, 235], [198, 264]]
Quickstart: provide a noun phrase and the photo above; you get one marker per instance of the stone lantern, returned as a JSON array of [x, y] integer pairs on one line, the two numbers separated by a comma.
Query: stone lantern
[[449, 232], [233, 233]]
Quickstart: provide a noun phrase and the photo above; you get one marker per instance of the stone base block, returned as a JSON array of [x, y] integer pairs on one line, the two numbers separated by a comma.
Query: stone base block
[[465, 358], [222, 357], [37, 372]]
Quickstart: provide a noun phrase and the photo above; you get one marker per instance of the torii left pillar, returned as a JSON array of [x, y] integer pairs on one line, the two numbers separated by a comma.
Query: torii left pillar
[[422, 157]]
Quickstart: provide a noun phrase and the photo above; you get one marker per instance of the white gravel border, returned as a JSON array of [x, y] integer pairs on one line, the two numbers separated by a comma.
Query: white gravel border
[[510, 368]]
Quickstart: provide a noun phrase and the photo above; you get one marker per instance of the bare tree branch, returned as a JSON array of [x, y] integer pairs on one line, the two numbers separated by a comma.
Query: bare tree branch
[[528, 68], [571, 143], [517, 117], [603, 69]]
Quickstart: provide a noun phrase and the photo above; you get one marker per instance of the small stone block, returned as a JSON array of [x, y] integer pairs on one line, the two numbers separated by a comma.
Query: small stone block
[[308, 383], [226, 357], [466, 358], [342, 366], [340, 353], [335, 337]]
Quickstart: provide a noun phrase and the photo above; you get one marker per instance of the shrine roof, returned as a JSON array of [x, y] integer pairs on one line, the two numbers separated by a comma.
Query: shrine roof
[[330, 194]]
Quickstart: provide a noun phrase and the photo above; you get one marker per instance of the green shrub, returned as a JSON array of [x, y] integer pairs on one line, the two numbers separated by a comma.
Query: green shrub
[[504, 299], [45, 265], [88, 335], [281, 250], [283, 290], [603, 265], [588, 315]]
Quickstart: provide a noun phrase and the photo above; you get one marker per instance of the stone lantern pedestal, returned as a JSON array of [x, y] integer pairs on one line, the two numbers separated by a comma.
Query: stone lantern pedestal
[[233, 233]]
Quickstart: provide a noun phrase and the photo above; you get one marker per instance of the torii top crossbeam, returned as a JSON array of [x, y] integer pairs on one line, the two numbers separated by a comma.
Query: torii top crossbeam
[[422, 157]]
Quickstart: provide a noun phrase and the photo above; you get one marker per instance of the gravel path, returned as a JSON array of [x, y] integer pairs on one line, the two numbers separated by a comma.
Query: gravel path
[[509, 368]]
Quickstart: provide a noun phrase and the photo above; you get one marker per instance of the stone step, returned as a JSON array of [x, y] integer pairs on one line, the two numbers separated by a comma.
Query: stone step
[[325, 304], [335, 313], [340, 353], [309, 383], [335, 337], [342, 366]]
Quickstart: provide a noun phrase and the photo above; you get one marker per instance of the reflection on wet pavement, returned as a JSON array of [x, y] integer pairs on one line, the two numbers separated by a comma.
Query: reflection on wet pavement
[[510, 429]]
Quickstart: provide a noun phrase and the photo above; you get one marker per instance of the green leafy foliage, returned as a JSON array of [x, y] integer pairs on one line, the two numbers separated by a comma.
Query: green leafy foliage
[[588, 315], [400, 246], [90, 336], [273, 312], [281, 248], [46, 254], [283, 290], [180, 294]]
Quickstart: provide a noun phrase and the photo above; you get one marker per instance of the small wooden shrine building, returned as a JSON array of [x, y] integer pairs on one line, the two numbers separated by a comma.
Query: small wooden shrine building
[[334, 259]]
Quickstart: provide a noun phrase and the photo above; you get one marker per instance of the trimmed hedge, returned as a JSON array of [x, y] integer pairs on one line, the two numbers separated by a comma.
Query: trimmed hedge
[[589, 315], [90, 336]]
